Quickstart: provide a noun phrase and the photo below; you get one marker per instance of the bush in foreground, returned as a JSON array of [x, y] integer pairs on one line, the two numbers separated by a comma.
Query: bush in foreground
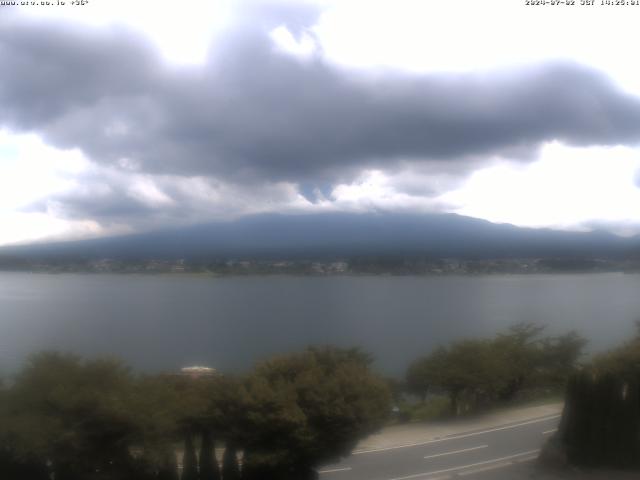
[[322, 401], [93, 420], [600, 426]]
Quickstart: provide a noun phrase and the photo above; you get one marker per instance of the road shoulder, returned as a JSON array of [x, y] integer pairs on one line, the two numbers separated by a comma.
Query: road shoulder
[[398, 436]]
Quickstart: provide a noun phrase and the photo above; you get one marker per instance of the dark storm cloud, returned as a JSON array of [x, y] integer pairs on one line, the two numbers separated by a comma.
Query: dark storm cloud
[[113, 197], [253, 112], [109, 201]]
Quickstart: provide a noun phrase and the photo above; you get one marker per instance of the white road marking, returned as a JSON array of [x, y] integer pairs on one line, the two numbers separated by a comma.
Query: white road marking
[[457, 451], [487, 468], [497, 466], [547, 432], [500, 460], [456, 437], [333, 470], [526, 459]]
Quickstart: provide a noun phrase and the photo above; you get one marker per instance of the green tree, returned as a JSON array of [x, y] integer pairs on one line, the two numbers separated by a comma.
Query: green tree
[[171, 407], [209, 469], [13, 465], [480, 371], [472, 372], [189, 459], [230, 470], [521, 350], [600, 423], [623, 361], [168, 467], [419, 377], [560, 357], [155, 407], [224, 410], [74, 414], [308, 408]]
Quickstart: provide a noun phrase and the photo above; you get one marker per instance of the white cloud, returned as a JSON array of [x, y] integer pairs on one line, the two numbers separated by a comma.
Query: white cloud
[[65, 186], [565, 188], [467, 35], [377, 190], [29, 170], [182, 30], [570, 188], [417, 35], [283, 39]]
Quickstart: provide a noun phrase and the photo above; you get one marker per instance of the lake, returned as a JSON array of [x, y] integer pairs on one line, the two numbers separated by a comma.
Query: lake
[[157, 323]]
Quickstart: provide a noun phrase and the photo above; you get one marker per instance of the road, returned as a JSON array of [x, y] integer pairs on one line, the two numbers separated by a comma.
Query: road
[[485, 454]]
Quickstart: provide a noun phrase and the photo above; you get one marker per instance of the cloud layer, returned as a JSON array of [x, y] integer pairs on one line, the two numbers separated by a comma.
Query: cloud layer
[[255, 110], [254, 115]]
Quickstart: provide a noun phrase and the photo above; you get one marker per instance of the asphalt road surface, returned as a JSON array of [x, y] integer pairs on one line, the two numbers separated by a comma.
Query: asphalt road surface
[[486, 454]]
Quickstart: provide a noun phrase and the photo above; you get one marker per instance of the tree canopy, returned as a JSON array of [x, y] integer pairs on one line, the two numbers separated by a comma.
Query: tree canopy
[[322, 400], [72, 413], [94, 420], [476, 372]]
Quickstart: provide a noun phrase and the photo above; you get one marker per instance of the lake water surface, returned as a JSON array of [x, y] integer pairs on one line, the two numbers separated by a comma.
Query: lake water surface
[[165, 322]]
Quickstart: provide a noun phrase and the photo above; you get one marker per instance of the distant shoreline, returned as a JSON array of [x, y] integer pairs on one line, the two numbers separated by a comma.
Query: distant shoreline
[[396, 265], [313, 275]]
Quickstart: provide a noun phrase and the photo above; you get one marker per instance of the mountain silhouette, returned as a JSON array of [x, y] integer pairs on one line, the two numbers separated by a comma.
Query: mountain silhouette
[[342, 235]]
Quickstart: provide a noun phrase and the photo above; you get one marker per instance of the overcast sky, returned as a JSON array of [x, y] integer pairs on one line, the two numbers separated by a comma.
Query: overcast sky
[[121, 116]]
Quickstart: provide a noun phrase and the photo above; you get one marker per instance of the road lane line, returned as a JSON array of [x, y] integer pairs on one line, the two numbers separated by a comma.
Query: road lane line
[[487, 468], [464, 467], [456, 437], [457, 451], [496, 466], [526, 459], [547, 432], [333, 470]]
